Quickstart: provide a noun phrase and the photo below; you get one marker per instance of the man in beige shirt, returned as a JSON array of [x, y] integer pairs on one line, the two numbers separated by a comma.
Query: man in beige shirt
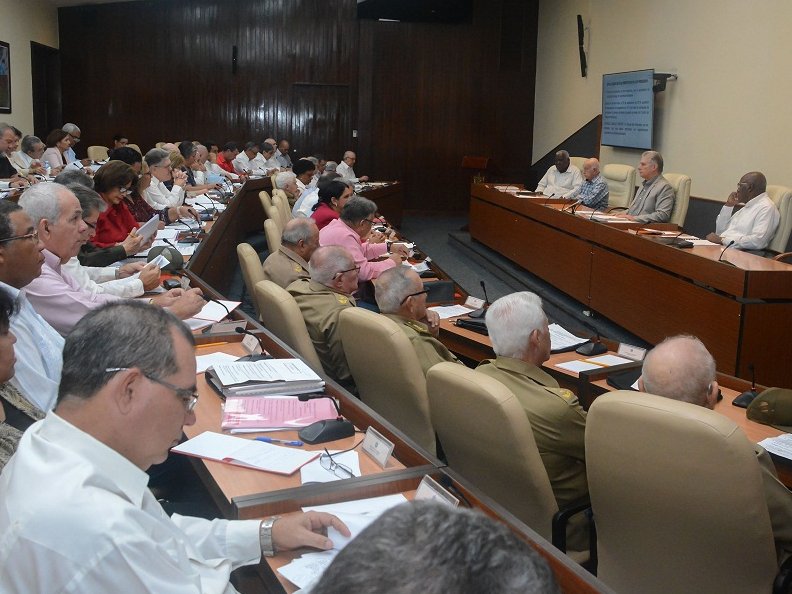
[[401, 297], [321, 300], [299, 241]]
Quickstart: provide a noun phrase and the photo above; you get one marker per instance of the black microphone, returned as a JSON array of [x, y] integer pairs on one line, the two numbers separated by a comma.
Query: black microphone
[[261, 356], [720, 258], [548, 198], [745, 399], [481, 310], [328, 429], [593, 346], [207, 299]]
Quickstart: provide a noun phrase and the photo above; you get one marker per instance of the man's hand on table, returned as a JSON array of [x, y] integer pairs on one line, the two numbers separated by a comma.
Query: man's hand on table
[[308, 529]]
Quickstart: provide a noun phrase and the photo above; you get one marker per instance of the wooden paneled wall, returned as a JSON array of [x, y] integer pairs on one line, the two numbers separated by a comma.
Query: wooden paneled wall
[[419, 95]]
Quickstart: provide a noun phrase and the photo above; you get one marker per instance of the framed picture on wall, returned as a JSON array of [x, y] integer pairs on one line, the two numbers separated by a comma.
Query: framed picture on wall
[[5, 77]]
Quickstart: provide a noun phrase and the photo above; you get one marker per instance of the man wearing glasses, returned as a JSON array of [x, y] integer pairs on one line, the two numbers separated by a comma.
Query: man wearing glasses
[[76, 511], [321, 299], [401, 297], [38, 346], [157, 193], [74, 139]]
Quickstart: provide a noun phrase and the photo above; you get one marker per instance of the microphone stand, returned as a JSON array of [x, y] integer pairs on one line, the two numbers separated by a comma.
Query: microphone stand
[[328, 429], [593, 346], [261, 356], [479, 313]]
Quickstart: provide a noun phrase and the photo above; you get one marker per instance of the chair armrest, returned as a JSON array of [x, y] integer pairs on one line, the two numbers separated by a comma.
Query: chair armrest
[[786, 257], [783, 581], [561, 519]]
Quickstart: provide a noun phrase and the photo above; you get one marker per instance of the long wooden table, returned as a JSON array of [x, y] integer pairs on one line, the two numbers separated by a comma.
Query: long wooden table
[[742, 311]]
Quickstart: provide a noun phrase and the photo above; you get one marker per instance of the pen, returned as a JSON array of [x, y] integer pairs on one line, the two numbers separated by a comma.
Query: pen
[[280, 441], [211, 344]]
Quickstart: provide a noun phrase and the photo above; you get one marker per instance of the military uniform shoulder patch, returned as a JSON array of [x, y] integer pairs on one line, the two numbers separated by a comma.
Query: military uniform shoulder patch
[[342, 299]]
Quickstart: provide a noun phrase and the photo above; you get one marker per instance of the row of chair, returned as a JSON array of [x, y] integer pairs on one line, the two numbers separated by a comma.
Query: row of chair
[[621, 180], [101, 153]]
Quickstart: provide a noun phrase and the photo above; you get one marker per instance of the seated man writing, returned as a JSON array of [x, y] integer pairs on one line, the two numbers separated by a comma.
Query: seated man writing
[[753, 226]]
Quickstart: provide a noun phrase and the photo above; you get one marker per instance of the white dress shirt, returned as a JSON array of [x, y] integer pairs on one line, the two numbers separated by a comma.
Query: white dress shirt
[[347, 172], [305, 203], [70, 155], [21, 162], [77, 516], [256, 165], [159, 196], [752, 227], [39, 353], [555, 183], [103, 280]]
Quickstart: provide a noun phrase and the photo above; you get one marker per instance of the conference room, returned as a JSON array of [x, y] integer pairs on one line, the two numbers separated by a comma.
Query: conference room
[[454, 129]]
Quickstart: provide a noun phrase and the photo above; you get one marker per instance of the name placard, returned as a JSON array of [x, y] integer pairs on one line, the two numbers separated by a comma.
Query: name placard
[[377, 446], [431, 489], [631, 352], [251, 345]]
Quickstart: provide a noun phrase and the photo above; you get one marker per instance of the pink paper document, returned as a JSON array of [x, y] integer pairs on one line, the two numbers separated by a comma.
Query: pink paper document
[[244, 414]]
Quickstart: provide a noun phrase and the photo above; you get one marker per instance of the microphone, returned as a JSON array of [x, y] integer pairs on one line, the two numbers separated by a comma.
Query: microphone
[[548, 198], [208, 299], [478, 313], [593, 346], [261, 356], [745, 399], [328, 429], [720, 258]]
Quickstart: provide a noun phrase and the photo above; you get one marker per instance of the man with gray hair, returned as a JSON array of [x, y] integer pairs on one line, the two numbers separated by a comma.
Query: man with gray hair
[[76, 511], [287, 181], [331, 167], [594, 191], [321, 299], [521, 340], [351, 230], [681, 368], [426, 546], [27, 160], [157, 193], [55, 294], [562, 179], [401, 296], [299, 241], [9, 177], [345, 168], [74, 138], [654, 202]]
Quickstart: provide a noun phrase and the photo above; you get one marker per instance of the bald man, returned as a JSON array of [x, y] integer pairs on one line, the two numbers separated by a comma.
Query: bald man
[[562, 179], [299, 241], [346, 168], [594, 191], [681, 368], [754, 223]]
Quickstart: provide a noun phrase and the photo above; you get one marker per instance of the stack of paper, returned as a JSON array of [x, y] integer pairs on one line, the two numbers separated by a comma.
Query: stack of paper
[[246, 452], [282, 377], [246, 414], [450, 311], [562, 340], [593, 363], [780, 446]]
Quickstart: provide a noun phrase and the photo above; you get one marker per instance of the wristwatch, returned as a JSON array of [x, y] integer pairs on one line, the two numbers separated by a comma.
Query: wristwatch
[[265, 537]]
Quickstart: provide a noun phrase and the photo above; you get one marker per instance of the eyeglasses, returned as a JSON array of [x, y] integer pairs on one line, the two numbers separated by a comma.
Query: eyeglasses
[[76, 139], [424, 292], [31, 236], [124, 191], [369, 221], [166, 166], [91, 225], [330, 465], [356, 269], [188, 396]]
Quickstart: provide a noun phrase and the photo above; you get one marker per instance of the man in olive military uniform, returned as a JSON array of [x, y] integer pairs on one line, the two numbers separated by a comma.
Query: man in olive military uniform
[[401, 297], [299, 240], [321, 299], [521, 340]]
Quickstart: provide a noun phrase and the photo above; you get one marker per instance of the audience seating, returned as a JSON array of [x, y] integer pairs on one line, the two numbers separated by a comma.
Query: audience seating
[[250, 263], [266, 201], [578, 162], [681, 184], [98, 153], [272, 231], [281, 315], [387, 373], [487, 438], [677, 497], [281, 202], [136, 147], [621, 184], [782, 197]]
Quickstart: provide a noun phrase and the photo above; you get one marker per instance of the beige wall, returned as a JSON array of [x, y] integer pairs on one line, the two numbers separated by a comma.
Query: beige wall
[[731, 109], [23, 21]]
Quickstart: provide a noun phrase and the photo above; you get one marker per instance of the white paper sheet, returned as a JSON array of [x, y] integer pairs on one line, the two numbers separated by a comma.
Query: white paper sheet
[[578, 366], [608, 360], [372, 505], [450, 311], [149, 228], [268, 370], [205, 361], [561, 338], [780, 446], [214, 312]]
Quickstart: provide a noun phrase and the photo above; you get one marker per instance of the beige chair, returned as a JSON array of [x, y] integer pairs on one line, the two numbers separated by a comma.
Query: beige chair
[[250, 263], [280, 201], [98, 153], [782, 197], [281, 315], [272, 232], [387, 372], [136, 147], [266, 201], [621, 184], [272, 179], [677, 497], [681, 184], [578, 162], [487, 438], [159, 145]]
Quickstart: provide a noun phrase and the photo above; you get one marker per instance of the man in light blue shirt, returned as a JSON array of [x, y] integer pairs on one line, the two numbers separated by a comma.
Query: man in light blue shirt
[[74, 137], [39, 347]]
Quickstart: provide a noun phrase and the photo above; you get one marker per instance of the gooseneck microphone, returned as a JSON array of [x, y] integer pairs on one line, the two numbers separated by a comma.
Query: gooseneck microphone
[[328, 429], [745, 399], [593, 346], [720, 258], [478, 313], [259, 357]]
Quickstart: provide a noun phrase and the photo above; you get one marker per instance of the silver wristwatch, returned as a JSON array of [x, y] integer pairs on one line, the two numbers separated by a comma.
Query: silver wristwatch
[[265, 537]]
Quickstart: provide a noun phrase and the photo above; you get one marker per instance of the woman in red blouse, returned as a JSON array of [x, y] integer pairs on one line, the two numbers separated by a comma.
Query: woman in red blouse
[[332, 198], [113, 181]]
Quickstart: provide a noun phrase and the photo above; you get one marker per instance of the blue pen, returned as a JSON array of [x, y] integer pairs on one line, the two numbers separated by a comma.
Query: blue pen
[[280, 441]]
